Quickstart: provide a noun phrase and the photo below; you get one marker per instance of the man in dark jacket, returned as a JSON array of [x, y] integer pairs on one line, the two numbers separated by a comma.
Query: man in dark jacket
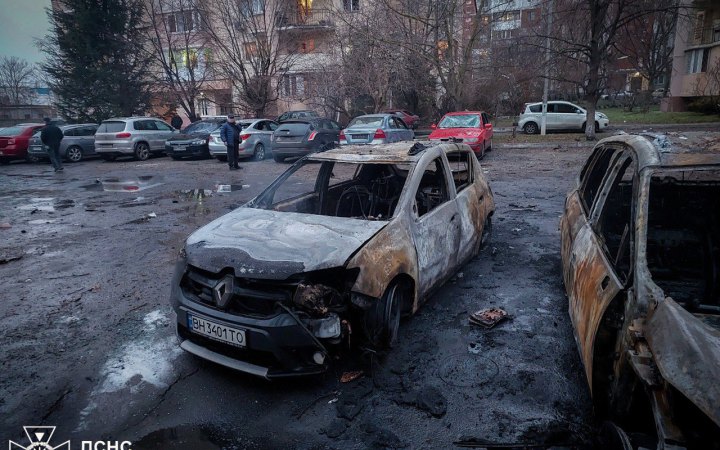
[[51, 136], [230, 135], [176, 122]]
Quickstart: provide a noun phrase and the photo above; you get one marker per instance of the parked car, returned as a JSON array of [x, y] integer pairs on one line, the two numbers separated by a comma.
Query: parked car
[[473, 127], [560, 116], [300, 114], [410, 119], [256, 138], [298, 137], [640, 258], [14, 141], [77, 144], [344, 240], [659, 93], [376, 129], [140, 137], [193, 140]]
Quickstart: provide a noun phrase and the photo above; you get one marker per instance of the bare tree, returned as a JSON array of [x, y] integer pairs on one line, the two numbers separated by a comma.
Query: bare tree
[[707, 90], [178, 48], [586, 38], [248, 49], [16, 78]]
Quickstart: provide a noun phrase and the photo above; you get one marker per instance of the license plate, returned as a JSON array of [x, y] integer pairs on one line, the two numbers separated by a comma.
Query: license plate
[[359, 136], [216, 331], [180, 148]]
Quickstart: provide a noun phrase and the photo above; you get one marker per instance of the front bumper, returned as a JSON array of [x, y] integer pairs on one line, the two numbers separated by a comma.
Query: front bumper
[[277, 345], [184, 150], [603, 123]]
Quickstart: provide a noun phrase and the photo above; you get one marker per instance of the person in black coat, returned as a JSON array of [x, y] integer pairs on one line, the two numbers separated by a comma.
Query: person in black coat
[[51, 135], [176, 122], [230, 135]]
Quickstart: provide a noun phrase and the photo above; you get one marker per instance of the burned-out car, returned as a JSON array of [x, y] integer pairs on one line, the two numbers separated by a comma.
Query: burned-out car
[[641, 266], [333, 252]]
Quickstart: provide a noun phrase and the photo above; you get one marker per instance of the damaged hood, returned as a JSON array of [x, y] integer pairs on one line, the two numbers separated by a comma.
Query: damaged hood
[[265, 244]]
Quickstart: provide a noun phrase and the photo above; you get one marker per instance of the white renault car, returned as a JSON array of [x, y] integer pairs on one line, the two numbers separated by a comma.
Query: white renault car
[[560, 116]]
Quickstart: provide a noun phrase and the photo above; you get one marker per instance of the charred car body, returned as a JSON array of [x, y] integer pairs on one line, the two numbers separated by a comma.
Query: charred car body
[[339, 246], [641, 266]]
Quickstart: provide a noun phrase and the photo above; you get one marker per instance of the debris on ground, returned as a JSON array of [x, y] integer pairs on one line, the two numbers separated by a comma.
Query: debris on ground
[[5, 226], [350, 376], [10, 254], [152, 215], [382, 437], [336, 428], [474, 348], [428, 399], [488, 317], [351, 401]]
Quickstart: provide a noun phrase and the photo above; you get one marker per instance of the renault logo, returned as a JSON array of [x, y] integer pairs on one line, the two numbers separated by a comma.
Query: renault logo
[[223, 291]]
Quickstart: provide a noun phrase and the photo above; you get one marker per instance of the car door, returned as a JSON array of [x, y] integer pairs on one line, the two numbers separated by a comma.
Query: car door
[[87, 139], [469, 197], [601, 256], [405, 133], [435, 222], [553, 118], [164, 132], [488, 132], [267, 137]]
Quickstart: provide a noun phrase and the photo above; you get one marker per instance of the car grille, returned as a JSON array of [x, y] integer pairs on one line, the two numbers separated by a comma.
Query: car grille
[[255, 298]]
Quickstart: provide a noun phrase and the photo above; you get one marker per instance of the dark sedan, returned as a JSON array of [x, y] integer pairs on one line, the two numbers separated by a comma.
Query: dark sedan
[[193, 140], [299, 137]]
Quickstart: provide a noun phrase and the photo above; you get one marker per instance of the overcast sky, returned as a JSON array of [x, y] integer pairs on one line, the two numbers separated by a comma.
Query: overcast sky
[[21, 21]]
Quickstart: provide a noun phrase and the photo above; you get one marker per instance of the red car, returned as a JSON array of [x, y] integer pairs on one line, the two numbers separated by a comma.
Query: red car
[[14, 141], [473, 127], [410, 119]]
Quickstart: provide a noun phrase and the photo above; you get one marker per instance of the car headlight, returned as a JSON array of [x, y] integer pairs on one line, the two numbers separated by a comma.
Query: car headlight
[[199, 142], [470, 139], [601, 115]]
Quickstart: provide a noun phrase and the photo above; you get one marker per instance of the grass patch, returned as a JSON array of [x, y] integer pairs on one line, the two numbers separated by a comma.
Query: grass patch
[[618, 117]]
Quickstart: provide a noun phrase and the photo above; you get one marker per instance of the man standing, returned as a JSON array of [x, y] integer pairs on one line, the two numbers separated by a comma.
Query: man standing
[[176, 122], [51, 135], [230, 135]]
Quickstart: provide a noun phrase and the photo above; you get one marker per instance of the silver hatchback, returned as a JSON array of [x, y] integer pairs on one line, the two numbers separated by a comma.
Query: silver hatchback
[[256, 142], [132, 136]]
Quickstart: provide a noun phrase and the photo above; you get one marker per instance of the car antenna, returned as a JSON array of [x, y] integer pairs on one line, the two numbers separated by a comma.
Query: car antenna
[[416, 148]]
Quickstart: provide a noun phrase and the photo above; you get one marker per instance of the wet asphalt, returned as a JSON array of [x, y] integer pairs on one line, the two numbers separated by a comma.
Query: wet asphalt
[[87, 338]]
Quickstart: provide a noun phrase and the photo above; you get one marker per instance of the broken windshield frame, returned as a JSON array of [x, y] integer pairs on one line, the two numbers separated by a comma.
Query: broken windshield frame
[[353, 190]]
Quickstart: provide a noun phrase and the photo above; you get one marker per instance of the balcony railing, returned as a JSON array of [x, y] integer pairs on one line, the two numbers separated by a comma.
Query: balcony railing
[[302, 18]]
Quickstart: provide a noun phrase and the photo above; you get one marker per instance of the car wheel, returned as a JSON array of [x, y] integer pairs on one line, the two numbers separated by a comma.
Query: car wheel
[[4, 162], [176, 158], [531, 128], [259, 153], [73, 154], [490, 147], [109, 157], [382, 320], [221, 158], [486, 233], [278, 158], [142, 151], [32, 158], [597, 127]]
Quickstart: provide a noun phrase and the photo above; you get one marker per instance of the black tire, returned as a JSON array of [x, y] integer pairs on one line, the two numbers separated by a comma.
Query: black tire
[[176, 158], [32, 158], [382, 320], [531, 128], [73, 154], [4, 162], [279, 158], [489, 149], [482, 152], [259, 153], [597, 127], [142, 151], [221, 158], [486, 233], [108, 157]]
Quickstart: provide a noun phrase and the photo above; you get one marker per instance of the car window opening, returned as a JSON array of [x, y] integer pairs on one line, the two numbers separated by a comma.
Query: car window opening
[[683, 238], [432, 191], [338, 189], [461, 168]]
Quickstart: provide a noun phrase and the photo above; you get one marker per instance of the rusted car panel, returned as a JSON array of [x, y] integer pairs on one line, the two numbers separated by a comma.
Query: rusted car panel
[[274, 286], [687, 352], [650, 343]]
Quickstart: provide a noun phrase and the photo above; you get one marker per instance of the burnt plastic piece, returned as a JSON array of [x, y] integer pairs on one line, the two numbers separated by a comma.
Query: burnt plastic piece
[[416, 148]]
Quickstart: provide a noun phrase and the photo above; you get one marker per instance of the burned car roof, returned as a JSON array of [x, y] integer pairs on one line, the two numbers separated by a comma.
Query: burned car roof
[[659, 150], [393, 153]]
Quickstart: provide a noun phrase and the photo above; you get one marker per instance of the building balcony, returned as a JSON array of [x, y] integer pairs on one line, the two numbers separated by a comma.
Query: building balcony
[[301, 19]]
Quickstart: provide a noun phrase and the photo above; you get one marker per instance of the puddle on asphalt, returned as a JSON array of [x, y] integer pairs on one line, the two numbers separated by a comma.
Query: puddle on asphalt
[[40, 204], [133, 184], [192, 437]]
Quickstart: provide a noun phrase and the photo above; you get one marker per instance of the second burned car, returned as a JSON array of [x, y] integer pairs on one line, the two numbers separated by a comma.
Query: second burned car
[[342, 244]]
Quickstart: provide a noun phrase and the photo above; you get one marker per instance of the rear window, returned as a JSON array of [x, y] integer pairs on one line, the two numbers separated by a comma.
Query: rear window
[[13, 131], [111, 127], [536, 108], [366, 121], [294, 127]]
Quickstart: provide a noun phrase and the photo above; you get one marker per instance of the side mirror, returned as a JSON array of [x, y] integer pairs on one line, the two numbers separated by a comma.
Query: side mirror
[[433, 126], [488, 126]]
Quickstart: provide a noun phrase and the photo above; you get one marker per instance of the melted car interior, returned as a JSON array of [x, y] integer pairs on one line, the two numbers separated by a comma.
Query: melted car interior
[[683, 240]]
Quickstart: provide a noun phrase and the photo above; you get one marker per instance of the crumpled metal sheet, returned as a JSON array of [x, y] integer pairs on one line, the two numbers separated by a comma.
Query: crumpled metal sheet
[[687, 352]]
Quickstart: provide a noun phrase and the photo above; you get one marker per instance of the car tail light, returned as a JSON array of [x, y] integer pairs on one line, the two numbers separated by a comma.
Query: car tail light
[[379, 134], [312, 135], [342, 134], [123, 135], [245, 137]]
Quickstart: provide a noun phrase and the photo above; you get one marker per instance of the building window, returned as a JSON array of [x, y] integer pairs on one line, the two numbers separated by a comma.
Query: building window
[[502, 34], [696, 60], [306, 46], [251, 49], [531, 15], [252, 7], [292, 86], [178, 22], [351, 5]]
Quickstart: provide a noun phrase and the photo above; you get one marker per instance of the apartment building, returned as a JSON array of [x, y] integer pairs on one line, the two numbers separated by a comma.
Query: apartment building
[[696, 57]]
